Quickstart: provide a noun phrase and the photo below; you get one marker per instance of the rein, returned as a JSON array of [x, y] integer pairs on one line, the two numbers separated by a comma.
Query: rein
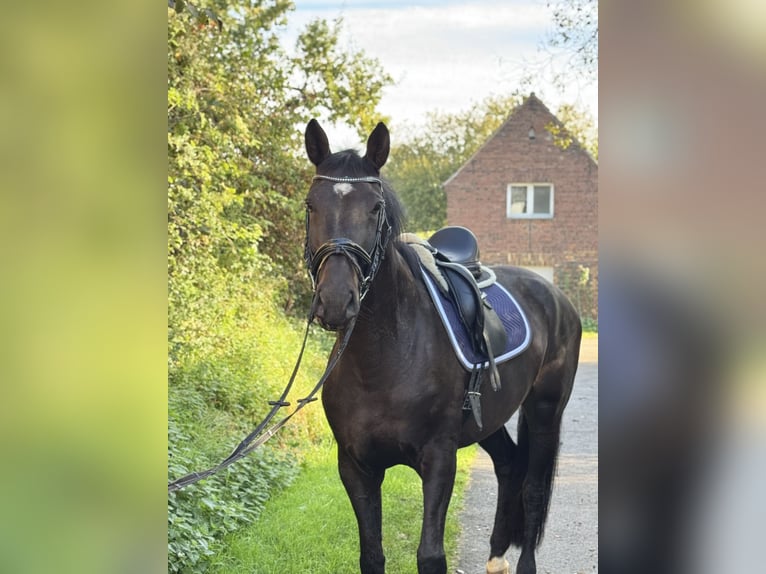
[[261, 434]]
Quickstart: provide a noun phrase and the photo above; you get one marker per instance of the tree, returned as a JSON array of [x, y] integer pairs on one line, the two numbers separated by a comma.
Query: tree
[[575, 36], [237, 102], [577, 125], [347, 85], [425, 159]]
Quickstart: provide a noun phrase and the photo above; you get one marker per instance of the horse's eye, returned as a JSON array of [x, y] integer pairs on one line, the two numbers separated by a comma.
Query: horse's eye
[[377, 208], [309, 207]]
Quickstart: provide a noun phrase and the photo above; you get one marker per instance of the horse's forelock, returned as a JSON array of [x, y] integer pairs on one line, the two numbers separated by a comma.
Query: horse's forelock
[[346, 163]]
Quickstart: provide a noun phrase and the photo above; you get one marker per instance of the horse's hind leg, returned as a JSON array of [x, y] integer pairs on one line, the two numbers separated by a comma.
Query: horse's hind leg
[[509, 517], [539, 432]]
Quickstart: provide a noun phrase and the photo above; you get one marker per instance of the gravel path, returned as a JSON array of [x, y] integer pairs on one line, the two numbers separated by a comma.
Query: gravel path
[[570, 545]]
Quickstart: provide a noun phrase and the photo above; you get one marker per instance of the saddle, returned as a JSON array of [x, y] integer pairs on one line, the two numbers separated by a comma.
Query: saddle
[[457, 245], [456, 253]]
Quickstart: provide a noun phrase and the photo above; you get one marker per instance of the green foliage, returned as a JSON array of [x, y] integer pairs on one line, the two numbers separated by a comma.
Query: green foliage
[[576, 125], [350, 80], [203, 17], [589, 325], [215, 397], [237, 102], [236, 105], [575, 280], [200, 515], [421, 162]]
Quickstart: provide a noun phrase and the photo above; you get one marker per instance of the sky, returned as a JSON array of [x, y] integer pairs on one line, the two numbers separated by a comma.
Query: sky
[[443, 55]]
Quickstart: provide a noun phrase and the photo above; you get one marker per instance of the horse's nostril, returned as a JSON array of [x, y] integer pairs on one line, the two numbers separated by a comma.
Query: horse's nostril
[[317, 308], [350, 308], [333, 309]]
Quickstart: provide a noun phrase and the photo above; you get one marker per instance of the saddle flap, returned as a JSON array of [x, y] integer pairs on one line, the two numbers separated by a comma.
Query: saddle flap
[[482, 323], [494, 330]]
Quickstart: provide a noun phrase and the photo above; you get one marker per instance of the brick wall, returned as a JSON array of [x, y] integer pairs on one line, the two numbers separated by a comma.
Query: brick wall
[[476, 198]]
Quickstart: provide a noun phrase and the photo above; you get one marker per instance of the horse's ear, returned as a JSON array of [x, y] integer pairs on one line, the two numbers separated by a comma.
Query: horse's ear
[[378, 145], [317, 146]]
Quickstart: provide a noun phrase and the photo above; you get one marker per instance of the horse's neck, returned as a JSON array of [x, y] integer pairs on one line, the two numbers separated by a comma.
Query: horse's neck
[[391, 321], [393, 294]]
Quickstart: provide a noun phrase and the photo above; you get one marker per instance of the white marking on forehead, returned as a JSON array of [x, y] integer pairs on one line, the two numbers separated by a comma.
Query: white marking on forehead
[[342, 188]]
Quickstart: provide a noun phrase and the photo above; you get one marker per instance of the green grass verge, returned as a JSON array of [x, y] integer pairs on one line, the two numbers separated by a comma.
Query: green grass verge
[[589, 325], [310, 526]]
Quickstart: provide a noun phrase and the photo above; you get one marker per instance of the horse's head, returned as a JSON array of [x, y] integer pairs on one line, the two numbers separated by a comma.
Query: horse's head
[[347, 228]]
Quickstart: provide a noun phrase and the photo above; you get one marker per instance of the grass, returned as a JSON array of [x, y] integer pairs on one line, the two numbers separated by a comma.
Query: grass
[[310, 526]]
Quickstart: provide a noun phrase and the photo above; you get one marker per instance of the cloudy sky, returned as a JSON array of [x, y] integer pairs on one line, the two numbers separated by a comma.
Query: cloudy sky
[[444, 55]]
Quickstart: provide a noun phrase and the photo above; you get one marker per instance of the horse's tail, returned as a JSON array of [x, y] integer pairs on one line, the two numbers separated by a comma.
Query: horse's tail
[[544, 447], [520, 464]]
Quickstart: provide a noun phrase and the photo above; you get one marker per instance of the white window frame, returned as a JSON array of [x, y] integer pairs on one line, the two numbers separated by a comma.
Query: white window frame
[[530, 201]]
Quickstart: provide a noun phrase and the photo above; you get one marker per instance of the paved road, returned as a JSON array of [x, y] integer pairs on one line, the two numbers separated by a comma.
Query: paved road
[[570, 545]]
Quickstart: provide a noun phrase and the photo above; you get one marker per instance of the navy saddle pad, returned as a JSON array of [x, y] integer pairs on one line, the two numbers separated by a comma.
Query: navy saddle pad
[[505, 306]]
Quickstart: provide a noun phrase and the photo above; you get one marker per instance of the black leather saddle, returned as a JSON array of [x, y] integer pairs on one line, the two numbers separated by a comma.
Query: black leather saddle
[[458, 245], [456, 252]]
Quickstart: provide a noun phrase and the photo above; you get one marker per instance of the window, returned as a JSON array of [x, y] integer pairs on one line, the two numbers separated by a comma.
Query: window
[[530, 200]]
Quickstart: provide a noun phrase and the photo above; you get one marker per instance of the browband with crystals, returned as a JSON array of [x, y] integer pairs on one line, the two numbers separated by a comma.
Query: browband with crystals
[[367, 179]]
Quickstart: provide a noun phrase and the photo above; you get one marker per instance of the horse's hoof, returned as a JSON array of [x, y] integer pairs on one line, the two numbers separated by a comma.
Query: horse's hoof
[[498, 565]]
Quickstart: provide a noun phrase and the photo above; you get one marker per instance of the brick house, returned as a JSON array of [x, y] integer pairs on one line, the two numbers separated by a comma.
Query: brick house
[[533, 203]]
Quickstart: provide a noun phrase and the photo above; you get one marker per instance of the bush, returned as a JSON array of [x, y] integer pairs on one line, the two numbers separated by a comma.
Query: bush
[[589, 325], [218, 391], [200, 515]]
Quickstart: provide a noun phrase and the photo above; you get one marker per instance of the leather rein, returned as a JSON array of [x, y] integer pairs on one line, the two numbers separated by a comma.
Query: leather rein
[[261, 433], [366, 266]]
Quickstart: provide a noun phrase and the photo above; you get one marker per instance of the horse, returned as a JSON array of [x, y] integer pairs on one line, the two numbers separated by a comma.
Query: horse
[[396, 394]]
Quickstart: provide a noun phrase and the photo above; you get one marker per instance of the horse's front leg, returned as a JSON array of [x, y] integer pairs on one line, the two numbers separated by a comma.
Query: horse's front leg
[[363, 489], [437, 470]]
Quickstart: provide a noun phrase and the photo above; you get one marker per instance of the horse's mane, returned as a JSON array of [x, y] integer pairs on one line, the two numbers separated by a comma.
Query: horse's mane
[[348, 163]]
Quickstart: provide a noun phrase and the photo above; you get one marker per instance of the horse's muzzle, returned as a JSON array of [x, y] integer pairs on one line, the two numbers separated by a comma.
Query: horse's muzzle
[[336, 299]]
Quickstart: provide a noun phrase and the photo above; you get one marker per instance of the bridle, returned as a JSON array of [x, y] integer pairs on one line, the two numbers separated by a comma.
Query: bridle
[[364, 264]]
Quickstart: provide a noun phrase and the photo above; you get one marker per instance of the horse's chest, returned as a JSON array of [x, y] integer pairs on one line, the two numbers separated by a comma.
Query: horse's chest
[[354, 412], [388, 424]]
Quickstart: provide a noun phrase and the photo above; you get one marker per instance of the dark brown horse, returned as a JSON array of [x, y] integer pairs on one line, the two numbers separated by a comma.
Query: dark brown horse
[[396, 395]]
